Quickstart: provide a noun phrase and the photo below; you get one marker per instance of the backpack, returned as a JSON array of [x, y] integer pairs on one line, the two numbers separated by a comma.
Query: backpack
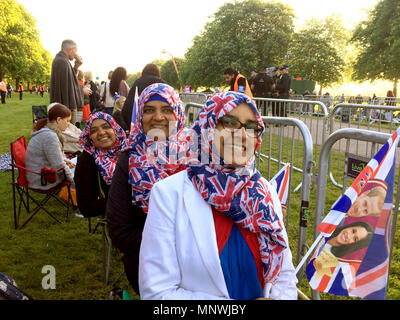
[[9, 289]]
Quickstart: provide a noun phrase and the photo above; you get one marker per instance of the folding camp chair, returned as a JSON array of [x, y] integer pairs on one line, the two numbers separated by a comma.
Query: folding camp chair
[[106, 245], [22, 190]]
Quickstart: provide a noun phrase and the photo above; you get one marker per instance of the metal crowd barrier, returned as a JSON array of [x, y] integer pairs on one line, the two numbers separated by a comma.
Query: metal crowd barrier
[[195, 97], [271, 151], [361, 116], [355, 135], [313, 114], [191, 111]]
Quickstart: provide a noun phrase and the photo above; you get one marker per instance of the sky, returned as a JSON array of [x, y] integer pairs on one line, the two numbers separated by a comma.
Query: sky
[[132, 33]]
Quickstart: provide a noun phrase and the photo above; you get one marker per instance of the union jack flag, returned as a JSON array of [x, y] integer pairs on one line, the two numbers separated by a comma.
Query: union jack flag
[[281, 183], [353, 258], [134, 109]]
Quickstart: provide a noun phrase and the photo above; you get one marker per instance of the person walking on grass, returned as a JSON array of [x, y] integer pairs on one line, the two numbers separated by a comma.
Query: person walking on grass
[[3, 90], [20, 90]]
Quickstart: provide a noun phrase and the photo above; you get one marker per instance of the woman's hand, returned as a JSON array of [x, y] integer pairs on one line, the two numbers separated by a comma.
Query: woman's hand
[[70, 164]]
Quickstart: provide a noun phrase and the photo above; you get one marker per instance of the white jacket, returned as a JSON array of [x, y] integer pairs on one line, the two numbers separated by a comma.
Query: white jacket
[[179, 257]]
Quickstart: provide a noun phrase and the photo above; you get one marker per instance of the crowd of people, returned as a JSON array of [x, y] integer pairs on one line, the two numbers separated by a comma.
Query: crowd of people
[[187, 208], [263, 85], [6, 90], [175, 198]]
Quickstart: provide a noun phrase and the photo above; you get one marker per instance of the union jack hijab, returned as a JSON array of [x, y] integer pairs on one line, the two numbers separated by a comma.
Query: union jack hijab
[[241, 194], [149, 160], [104, 159]]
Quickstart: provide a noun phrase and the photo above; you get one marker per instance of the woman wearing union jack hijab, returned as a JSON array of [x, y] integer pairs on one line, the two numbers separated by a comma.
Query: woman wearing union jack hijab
[[215, 230], [157, 142], [102, 141]]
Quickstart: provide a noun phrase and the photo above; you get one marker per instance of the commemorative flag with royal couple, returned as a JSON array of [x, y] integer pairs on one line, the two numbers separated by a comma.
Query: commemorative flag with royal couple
[[352, 259]]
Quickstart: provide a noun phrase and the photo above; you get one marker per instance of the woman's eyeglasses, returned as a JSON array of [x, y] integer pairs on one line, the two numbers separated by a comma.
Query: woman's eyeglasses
[[253, 128]]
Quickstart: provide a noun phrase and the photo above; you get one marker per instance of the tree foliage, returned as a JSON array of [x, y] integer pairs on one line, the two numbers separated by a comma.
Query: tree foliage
[[22, 55], [243, 35], [168, 72], [317, 51], [378, 38]]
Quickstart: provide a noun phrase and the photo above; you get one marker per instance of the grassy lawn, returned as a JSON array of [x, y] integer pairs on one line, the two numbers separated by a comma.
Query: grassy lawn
[[77, 255]]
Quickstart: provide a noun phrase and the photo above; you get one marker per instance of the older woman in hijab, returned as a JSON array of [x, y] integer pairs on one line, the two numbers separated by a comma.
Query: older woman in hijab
[[155, 141], [102, 141], [215, 230]]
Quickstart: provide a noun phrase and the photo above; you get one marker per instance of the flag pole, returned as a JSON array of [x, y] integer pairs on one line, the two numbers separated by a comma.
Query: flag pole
[[319, 238], [299, 293]]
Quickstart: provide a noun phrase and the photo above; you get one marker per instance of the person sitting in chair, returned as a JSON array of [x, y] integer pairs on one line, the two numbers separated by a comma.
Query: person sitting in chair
[[46, 149], [102, 140]]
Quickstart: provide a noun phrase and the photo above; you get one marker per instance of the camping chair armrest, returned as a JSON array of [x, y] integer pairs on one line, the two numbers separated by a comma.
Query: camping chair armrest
[[23, 168]]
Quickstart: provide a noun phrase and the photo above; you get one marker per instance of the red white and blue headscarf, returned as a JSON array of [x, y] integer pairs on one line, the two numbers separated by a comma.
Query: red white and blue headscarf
[[104, 159], [239, 193], [151, 161]]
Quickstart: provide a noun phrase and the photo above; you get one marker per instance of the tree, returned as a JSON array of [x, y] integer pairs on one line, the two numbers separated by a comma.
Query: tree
[[378, 39], [332, 29], [243, 35], [169, 74], [315, 54], [21, 54]]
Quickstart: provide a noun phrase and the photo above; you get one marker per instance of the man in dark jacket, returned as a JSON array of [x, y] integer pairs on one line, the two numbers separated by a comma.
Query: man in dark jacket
[[263, 84], [150, 75], [250, 80], [275, 92], [64, 85], [283, 87]]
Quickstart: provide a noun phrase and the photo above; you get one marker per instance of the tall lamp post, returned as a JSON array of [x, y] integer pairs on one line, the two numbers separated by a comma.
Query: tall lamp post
[[176, 67]]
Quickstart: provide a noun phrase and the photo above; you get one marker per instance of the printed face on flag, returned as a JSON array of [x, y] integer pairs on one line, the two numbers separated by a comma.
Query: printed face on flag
[[368, 203], [353, 258]]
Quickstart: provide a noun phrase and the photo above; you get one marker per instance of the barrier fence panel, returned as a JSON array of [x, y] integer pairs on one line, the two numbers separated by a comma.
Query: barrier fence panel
[[191, 111], [279, 148], [195, 97], [377, 118], [351, 135]]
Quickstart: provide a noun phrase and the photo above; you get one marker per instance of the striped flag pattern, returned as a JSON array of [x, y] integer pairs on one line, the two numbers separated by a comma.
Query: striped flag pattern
[[134, 109], [281, 183], [353, 257]]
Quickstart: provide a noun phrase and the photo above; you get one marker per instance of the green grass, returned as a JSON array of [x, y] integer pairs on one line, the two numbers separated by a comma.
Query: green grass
[[77, 255], [69, 247]]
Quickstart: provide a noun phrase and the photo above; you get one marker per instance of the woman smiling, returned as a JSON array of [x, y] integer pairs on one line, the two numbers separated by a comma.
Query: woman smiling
[[215, 230], [157, 138], [102, 140]]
